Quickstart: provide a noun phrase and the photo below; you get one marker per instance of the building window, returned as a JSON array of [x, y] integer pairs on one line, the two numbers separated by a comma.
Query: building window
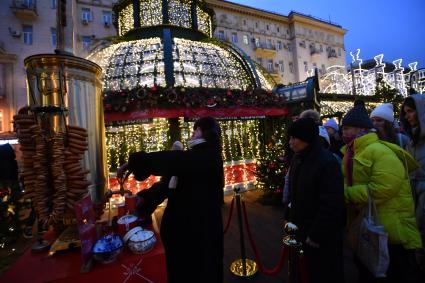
[[289, 47], [54, 37], [86, 15], [27, 3], [256, 25], [267, 27], [2, 81], [54, 4], [1, 121], [305, 66], [269, 43], [27, 31], [278, 29], [339, 51], [281, 66], [312, 47], [234, 37], [87, 42], [220, 34], [291, 67], [321, 48], [245, 39], [270, 65], [279, 45], [107, 18], [244, 22], [257, 42]]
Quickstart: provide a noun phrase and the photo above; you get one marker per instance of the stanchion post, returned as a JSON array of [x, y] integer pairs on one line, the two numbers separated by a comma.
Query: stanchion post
[[241, 235], [242, 267], [294, 246]]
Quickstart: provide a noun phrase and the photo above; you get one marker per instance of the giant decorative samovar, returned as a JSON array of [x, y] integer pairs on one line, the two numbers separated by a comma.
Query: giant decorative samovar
[[66, 90], [62, 135]]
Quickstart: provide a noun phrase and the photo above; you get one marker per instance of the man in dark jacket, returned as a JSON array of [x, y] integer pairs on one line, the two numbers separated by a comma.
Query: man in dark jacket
[[316, 196], [191, 227]]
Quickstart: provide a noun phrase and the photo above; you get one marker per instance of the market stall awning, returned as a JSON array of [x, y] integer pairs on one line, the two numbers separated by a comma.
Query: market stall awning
[[141, 114]]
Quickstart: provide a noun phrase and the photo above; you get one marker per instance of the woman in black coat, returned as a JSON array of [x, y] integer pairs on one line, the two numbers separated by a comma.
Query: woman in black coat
[[316, 199], [191, 227]]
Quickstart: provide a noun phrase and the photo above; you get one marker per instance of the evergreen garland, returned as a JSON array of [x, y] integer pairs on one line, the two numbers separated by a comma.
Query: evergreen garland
[[180, 97]]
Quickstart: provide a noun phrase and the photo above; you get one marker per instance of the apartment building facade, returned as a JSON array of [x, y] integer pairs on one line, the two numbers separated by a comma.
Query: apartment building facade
[[286, 46], [28, 27]]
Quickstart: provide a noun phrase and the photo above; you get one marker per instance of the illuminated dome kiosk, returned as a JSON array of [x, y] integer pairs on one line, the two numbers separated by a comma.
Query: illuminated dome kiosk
[[165, 70]]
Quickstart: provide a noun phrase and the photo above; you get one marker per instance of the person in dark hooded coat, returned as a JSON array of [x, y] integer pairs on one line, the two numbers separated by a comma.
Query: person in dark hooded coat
[[191, 227], [316, 197], [412, 118]]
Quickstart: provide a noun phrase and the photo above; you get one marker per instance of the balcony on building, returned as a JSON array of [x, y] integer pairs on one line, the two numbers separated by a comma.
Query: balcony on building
[[24, 9], [332, 56], [332, 53], [264, 49], [222, 36], [275, 74], [314, 53]]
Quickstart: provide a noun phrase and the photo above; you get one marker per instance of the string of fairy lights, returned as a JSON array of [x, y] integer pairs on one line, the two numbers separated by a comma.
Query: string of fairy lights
[[204, 21], [127, 65], [125, 19], [150, 15], [332, 108], [126, 139], [139, 63], [363, 81], [240, 139], [179, 12], [206, 64]]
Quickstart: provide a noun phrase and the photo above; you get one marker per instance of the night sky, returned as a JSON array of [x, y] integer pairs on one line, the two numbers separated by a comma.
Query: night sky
[[395, 28]]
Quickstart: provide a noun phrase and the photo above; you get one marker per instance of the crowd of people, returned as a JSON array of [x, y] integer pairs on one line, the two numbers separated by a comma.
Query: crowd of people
[[363, 155]]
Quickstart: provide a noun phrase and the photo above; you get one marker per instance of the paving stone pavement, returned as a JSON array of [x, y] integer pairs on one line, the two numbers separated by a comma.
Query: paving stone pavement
[[267, 229], [266, 222]]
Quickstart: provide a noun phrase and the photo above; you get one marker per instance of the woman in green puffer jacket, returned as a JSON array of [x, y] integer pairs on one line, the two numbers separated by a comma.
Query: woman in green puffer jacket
[[384, 169]]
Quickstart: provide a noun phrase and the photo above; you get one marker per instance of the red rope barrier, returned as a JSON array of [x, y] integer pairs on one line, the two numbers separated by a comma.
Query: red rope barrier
[[230, 216], [283, 254]]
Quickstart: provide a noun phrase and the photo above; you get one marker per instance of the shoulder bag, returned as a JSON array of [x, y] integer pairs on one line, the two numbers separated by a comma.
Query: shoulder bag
[[372, 244]]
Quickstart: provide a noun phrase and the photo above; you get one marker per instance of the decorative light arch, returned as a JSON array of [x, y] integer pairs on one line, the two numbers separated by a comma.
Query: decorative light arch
[[362, 81]]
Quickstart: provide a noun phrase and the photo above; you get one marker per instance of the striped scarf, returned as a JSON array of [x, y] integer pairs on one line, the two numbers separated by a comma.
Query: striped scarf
[[348, 158]]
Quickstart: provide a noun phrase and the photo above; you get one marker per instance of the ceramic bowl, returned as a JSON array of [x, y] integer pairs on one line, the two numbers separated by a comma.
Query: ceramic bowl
[[142, 241], [126, 223], [130, 233], [107, 248]]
